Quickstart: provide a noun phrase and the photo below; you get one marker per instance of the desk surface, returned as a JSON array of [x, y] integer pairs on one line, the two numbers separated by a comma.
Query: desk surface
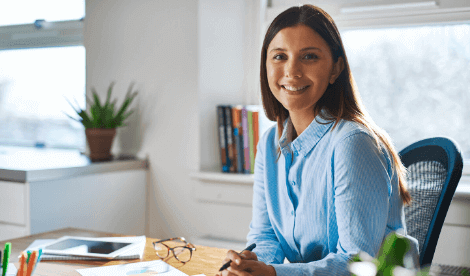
[[206, 260]]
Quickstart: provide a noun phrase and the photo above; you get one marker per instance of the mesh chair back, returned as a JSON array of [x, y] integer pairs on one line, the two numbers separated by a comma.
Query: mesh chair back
[[434, 170]]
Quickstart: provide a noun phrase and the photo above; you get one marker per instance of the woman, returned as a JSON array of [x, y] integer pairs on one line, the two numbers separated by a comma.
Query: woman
[[328, 181]]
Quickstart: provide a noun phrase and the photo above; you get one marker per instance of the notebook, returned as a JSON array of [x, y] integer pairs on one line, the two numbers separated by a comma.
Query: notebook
[[135, 253]]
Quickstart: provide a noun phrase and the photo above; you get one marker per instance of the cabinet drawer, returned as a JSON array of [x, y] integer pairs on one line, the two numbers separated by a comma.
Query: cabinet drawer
[[12, 202], [8, 232], [237, 194]]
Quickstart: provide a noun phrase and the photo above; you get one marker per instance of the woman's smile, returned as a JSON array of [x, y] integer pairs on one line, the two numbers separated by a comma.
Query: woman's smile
[[294, 90]]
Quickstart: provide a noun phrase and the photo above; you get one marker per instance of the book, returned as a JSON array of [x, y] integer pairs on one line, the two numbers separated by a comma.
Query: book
[[250, 137], [238, 138], [222, 139], [255, 131], [135, 253], [229, 136], [246, 140]]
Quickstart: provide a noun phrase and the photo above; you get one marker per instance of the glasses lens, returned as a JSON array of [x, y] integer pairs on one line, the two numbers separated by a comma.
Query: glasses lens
[[183, 254], [161, 250]]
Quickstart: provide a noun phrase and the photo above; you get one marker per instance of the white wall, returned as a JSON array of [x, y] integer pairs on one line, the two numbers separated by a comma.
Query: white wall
[[153, 43], [220, 27]]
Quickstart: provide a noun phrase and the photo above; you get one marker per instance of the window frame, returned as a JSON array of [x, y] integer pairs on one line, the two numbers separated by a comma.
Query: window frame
[[51, 34]]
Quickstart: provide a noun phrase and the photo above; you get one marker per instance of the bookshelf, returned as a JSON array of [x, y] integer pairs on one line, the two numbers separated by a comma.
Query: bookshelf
[[212, 176]]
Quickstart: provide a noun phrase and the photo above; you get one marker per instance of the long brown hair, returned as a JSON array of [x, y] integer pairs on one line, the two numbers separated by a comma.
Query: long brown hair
[[341, 99]]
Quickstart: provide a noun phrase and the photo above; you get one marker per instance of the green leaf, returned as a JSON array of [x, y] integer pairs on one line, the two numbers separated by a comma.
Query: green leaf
[[96, 98], [77, 110], [75, 119], [126, 104], [108, 97], [89, 101], [87, 123]]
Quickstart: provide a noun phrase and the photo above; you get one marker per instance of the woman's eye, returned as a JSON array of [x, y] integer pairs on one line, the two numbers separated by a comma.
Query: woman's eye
[[278, 57], [310, 56]]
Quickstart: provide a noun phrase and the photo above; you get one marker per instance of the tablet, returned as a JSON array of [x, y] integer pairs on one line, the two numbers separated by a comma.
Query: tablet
[[88, 247]]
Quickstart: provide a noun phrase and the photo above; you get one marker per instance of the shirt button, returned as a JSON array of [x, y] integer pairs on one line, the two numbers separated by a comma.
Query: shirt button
[[293, 183]]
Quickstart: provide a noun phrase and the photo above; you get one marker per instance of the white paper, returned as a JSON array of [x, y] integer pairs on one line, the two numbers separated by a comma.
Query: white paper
[[158, 266], [11, 271], [134, 253]]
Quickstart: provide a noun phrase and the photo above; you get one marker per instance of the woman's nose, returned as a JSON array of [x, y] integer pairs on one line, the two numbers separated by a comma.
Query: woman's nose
[[293, 69]]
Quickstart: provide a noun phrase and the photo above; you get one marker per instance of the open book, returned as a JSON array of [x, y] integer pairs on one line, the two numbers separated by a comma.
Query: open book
[[134, 253]]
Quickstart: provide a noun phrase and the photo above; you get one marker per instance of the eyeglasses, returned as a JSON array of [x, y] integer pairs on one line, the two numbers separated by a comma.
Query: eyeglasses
[[182, 253]]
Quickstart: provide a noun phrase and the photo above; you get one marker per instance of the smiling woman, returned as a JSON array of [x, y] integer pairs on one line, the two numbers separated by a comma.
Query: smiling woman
[[328, 181]]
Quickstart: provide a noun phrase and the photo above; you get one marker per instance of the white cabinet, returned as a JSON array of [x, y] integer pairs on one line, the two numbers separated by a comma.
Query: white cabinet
[[108, 201], [224, 202]]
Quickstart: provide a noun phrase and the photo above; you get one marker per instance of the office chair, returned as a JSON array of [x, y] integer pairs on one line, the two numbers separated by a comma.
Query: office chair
[[434, 169]]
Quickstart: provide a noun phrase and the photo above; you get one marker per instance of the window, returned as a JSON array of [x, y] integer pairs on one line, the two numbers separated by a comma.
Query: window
[[42, 63], [414, 81]]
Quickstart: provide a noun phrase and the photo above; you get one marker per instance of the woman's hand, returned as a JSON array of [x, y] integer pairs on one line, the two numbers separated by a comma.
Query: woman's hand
[[246, 264]]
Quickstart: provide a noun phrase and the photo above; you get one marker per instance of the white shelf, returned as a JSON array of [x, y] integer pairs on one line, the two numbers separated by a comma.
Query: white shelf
[[223, 177]]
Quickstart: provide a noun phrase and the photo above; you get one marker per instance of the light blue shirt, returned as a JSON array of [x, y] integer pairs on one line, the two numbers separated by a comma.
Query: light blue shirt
[[330, 194]]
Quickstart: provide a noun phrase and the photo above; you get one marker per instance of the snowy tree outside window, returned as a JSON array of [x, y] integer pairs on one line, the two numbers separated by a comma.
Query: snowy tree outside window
[[414, 81]]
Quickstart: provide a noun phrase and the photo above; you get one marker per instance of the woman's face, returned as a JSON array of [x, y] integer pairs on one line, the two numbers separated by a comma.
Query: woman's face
[[299, 67]]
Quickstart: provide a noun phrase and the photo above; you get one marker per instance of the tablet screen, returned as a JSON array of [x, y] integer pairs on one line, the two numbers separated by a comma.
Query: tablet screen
[[76, 246]]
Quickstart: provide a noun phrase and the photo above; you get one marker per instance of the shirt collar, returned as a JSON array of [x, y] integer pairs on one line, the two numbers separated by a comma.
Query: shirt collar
[[305, 142]]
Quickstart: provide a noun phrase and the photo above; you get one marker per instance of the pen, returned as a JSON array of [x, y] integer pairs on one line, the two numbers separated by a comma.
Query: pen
[[249, 248], [6, 257]]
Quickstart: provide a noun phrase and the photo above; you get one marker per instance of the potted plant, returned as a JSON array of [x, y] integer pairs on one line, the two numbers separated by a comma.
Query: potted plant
[[102, 120]]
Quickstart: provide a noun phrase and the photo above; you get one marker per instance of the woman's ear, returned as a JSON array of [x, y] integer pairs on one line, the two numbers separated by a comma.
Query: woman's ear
[[336, 70]]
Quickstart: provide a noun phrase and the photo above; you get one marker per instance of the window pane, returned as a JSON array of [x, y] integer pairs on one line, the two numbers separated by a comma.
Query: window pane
[[414, 81], [15, 12], [33, 86]]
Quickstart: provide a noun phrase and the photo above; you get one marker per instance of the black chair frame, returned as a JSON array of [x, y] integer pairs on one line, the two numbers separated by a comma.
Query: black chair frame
[[445, 151]]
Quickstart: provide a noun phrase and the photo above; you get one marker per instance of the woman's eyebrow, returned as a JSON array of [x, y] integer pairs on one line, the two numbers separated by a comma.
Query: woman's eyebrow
[[310, 48], [302, 50], [278, 49]]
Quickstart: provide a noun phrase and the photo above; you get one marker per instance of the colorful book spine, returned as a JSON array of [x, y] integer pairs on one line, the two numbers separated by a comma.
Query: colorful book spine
[[230, 143], [251, 141], [246, 140], [237, 134], [255, 131], [222, 137]]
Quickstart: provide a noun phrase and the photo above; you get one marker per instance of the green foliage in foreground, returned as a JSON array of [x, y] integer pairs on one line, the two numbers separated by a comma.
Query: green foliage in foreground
[[104, 115]]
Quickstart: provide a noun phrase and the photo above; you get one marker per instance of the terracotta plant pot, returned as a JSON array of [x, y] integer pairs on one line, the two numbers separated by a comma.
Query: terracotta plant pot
[[100, 141]]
